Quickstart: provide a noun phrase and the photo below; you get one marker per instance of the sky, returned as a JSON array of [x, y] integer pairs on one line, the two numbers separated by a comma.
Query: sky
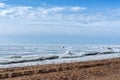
[[59, 22]]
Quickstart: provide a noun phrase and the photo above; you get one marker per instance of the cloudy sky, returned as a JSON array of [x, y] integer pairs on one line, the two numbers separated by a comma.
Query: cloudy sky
[[59, 22]]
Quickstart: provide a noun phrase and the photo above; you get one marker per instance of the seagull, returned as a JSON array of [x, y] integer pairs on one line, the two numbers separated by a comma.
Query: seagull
[[68, 53]]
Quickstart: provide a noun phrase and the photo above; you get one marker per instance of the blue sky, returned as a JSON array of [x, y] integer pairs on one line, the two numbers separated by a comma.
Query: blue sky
[[59, 21]]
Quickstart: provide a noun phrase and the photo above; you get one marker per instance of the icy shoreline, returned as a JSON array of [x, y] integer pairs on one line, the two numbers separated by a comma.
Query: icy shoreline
[[20, 55], [63, 60]]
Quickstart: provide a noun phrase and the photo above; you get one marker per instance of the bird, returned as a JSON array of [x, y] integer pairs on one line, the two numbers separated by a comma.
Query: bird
[[68, 52]]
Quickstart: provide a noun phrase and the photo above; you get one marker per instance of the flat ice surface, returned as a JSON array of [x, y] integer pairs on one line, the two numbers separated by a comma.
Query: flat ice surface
[[28, 55]]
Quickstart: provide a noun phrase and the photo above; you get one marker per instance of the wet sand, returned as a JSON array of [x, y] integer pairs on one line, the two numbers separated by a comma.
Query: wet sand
[[91, 70]]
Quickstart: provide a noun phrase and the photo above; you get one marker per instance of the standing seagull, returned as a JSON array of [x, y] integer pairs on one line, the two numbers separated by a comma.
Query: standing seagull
[[68, 52]]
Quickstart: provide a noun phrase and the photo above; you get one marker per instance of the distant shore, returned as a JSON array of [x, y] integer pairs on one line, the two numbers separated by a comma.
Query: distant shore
[[108, 69]]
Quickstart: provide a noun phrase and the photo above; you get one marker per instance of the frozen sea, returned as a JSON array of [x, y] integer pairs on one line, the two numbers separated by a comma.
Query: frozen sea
[[28, 55]]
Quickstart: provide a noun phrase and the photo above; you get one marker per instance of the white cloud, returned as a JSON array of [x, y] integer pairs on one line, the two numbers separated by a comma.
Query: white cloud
[[45, 13], [72, 13], [15, 12], [114, 13], [77, 8], [56, 9], [2, 5]]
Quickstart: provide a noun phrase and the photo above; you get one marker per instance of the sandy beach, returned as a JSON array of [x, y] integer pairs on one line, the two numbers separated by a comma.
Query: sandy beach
[[92, 70]]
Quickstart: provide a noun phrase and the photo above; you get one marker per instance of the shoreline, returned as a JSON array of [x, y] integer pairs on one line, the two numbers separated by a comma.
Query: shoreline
[[61, 60], [89, 70]]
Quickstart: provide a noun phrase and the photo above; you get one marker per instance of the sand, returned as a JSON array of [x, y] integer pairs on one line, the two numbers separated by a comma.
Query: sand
[[91, 70]]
